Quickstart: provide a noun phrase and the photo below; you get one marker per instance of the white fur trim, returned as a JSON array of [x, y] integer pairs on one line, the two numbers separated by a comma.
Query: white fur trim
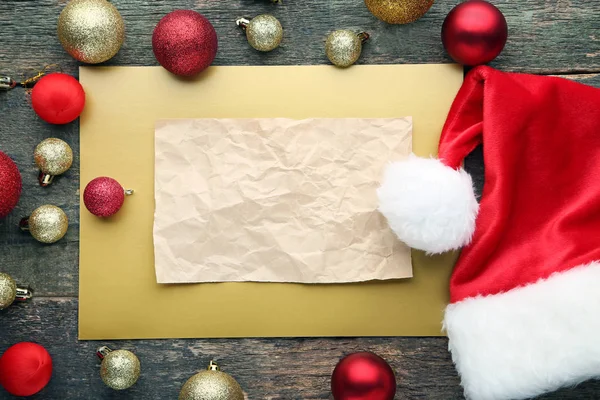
[[429, 205], [530, 340]]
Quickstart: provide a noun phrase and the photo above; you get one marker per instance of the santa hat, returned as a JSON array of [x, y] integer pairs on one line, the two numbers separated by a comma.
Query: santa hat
[[524, 317]]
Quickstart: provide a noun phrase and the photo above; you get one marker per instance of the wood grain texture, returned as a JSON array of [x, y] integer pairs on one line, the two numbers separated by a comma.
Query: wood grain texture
[[546, 36], [285, 369]]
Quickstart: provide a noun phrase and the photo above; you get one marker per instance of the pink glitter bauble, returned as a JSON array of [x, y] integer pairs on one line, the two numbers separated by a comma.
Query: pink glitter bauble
[[103, 196], [10, 185], [184, 42]]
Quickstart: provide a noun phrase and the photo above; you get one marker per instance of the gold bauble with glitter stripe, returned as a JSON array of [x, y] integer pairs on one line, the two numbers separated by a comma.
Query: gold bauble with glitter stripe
[[399, 11], [91, 31]]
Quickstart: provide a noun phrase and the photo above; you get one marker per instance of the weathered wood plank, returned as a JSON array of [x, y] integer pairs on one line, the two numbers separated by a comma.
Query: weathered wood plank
[[284, 369], [545, 35]]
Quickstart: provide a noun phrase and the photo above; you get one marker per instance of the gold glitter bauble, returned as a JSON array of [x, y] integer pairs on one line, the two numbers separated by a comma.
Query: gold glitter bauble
[[211, 385], [91, 31], [8, 290], [343, 47], [48, 224], [120, 369], [53, 156], [399, 11], [264, 32]]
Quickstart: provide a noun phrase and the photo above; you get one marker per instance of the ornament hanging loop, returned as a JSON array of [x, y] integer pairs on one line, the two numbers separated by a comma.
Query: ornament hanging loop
[[242, 22], [129, 192], [363, 36], [103, 352]]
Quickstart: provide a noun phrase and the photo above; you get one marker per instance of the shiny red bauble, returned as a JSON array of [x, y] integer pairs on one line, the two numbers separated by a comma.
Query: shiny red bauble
[[184, 42], [474, 32], [363, 376], [25, 369], [10, 185], [58, 98], [103, 196]]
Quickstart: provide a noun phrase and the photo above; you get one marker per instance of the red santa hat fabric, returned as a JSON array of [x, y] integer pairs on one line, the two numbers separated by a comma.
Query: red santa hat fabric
[[524, 317]]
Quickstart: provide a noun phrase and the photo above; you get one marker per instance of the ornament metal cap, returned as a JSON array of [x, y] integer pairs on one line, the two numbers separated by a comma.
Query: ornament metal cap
[[10, 292], [242, 22], [212, 366], [363, 36], [45, 179], [7, 83], [103, 351]]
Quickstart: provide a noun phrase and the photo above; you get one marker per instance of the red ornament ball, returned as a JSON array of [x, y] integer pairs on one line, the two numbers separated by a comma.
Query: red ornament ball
[[58, 98], [103, 196], [363, 376], [25, 369], [184, 42], [474, 32], [10, 185]]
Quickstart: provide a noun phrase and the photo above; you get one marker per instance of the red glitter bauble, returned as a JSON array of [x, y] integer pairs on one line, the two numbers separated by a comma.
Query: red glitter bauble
[[363, 376], [10, 185], [184, 42], [474, 32], [58, 98], [103, 196], [25, 369]]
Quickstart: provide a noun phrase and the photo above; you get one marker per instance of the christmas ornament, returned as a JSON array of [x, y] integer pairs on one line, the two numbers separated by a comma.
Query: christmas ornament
[[104, 196], [58, 98], [474, 32], [9, 291], [53, 157], [91, 31], [120, 369], [211, 384], [47, 224], [525, 284], [263, 32], [343, 47], [399, 11], [10, 185], [25, 369], [184, 42], [363, 376]]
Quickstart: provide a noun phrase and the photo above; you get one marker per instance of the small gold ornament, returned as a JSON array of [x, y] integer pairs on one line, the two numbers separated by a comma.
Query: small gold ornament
[[47, 224], [263, 32], [211, 384], [343, 47], [399, 11], [53, 157], [91, 31], [9, 291], [120, 369]]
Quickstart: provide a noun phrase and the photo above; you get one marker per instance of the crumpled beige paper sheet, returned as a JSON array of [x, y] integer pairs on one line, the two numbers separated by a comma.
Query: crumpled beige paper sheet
[[276, 200]]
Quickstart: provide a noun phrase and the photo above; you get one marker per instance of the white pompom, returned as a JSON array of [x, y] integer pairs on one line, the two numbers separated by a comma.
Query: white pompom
[[429, 205]]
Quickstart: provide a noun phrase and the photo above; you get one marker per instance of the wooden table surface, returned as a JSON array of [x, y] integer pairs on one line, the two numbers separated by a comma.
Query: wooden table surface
[[545, 36]]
